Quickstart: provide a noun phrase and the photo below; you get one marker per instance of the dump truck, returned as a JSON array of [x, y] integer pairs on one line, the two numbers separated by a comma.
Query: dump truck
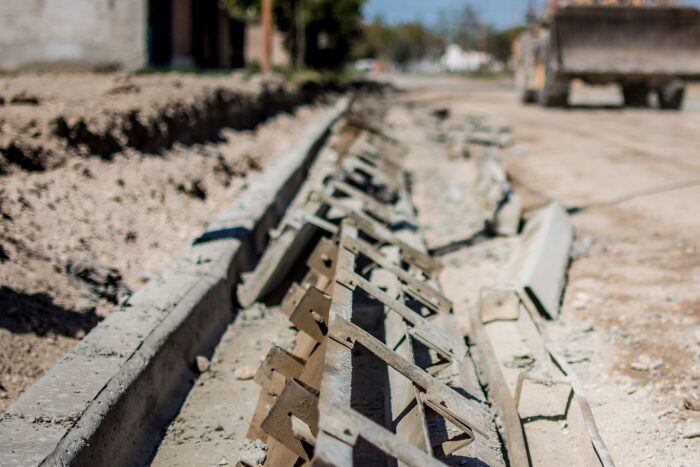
[[643, 46]]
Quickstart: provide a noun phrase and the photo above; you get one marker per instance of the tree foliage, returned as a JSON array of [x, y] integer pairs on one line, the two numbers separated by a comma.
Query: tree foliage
[[400, 44], [500, 43], [414, 41], [331, 26]]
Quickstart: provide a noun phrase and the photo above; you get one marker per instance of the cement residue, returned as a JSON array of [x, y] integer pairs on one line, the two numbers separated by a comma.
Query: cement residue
[[253, 452]]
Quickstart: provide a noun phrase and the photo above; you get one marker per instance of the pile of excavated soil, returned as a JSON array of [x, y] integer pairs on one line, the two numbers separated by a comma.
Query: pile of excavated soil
[[47, 119], [82, 233]]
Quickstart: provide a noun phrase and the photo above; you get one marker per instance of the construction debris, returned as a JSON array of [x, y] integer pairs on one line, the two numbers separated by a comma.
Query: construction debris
[[202, 363], [245, 372], [692, 402], [369, 305], [540, 267], [378, 370]]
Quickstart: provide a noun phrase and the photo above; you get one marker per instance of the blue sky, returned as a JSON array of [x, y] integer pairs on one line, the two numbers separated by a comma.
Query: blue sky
[[500, 13]]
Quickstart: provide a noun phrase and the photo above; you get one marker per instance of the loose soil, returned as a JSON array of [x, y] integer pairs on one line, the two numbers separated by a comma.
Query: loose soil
[[81, 235]]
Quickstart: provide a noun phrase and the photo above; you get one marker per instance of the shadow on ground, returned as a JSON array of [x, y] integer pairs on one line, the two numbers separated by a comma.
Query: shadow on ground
[[38, 314]]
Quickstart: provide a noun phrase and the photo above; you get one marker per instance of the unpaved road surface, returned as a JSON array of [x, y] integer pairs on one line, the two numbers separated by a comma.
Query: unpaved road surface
[[78, 235], [630, 322], [630, 316]]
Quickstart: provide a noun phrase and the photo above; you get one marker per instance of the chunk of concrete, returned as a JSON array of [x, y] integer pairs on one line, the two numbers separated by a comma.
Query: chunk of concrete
[[541, 264]]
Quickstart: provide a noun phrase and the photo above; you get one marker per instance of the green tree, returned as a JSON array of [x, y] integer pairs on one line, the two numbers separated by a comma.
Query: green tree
[[377, 41], [414, 42], [500, 44], [331, 26], [400, 44]]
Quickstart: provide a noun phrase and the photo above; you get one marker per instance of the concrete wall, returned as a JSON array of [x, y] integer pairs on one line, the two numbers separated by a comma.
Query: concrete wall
[[72, 34]]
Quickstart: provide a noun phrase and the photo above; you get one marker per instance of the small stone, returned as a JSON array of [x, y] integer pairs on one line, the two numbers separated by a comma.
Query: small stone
[[254, 313], [692, 402], [202, 364], [223, 461], [244, 372], [667, 411], [253, 452], [442, 113], [692, 431], [581, 301], [644, 363], [219, 428]]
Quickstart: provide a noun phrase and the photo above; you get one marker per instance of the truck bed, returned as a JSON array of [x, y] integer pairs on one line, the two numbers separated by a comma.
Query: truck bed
[[603, 42]]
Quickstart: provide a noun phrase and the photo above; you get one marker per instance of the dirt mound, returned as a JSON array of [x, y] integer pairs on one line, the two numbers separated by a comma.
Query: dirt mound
[[50, 119]]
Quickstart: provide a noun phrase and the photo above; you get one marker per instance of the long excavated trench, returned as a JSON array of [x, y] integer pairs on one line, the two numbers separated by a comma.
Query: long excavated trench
[[311, 322]]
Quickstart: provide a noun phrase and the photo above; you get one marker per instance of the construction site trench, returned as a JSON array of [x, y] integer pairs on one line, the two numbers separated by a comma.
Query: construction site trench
[[400, 286]]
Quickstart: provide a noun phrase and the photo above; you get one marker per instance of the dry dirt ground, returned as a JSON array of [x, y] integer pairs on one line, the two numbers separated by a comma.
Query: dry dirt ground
[[84, 231], [212, 425], [630, 321], [630, 316], [631, 312]]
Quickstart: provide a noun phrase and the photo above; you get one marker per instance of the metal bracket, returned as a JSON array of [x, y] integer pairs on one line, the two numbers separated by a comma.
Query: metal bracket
[[323, 258], [278, 361], [296, 401], [466, 415], [347, 426], [377, 231], [377, 176], [380, 209], [417, 289], [308, 310], [424, 332], [430, 266], [346, 208]]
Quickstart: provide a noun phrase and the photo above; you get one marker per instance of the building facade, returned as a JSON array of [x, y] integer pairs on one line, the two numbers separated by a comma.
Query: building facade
[[72, 34], [127, 35]]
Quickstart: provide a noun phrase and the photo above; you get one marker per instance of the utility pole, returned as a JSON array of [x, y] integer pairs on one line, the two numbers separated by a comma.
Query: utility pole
[[532, 12], [267, 35]]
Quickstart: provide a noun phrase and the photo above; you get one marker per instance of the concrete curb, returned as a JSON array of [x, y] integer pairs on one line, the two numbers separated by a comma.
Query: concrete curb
[[540, 267], [107, 400]]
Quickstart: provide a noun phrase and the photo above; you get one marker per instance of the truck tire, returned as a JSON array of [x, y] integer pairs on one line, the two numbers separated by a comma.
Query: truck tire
[[636, 95], [555, 92], [671, 96], [528, 96]]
